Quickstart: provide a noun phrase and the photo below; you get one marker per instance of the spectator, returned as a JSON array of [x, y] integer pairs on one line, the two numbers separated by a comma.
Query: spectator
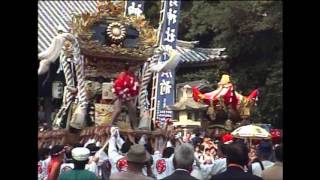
[[208, 157], [187, 137], [80, 157], [237, 159], [275, 172], [163, 167], [92, 165], [252, 153], [219, 165], [199, 152], [262, 161], [117, 159], [68, 162], [137, 157], [196, 140], [43, 162], [57, 156], [183, 160]]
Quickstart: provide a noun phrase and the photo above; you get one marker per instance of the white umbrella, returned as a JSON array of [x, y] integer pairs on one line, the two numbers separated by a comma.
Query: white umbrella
[[251, 132]]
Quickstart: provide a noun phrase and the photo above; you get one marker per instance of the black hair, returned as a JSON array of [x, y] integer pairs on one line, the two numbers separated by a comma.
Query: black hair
[[278, 153], [78, 145], [264, 150], [237, 153], [125, 147], [223, 148], [56, 149], [68, 157], [167, 152], [80, 164], [42, 153], [93, 148]]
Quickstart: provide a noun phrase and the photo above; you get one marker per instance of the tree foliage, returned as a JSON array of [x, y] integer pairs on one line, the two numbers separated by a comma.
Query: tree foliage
[[251, 31]]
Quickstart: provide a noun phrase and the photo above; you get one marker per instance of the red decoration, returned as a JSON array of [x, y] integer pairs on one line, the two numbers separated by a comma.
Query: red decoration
[[230, 98], [126, 86], [275, 135], [253, 95], [161, 166], [122, 164], [227, 137]]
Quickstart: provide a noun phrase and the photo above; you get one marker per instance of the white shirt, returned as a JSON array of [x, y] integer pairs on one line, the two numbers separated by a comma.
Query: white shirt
[[43, 169], [114, 155], [196, 172], [102, 157], [208, 170], [219, 166], [205, 170], [256, 168], [92, 166], [163, 167], [65, 167]]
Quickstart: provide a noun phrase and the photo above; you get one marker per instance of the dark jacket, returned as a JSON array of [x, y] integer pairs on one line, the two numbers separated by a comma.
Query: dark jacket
[[179, 174], [235, 173]]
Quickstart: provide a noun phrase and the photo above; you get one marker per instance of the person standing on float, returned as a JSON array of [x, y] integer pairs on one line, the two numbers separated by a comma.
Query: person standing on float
[[126, 89]]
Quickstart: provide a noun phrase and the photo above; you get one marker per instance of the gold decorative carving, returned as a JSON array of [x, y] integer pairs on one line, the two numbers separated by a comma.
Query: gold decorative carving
[[110, 8], [81, 25]]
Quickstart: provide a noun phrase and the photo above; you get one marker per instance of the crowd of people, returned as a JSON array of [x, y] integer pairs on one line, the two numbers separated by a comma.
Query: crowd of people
[[167, 155]]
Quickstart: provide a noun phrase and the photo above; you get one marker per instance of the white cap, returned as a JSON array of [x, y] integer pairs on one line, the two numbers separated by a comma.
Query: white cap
[[80, 153]]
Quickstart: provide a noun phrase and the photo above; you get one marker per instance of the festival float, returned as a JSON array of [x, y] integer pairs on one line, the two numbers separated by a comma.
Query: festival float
[[94, 50], [225, 104]]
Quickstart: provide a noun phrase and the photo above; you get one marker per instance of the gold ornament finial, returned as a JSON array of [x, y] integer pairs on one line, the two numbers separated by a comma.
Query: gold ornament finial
[[110, 8]]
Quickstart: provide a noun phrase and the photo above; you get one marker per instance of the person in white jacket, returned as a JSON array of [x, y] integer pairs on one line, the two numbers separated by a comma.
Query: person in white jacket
[[117, 159]]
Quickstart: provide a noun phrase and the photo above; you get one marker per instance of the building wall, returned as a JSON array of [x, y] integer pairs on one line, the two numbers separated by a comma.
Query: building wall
[[183, 116]]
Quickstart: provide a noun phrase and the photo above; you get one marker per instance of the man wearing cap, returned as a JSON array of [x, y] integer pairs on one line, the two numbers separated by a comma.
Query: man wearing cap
[[137, 157], [80, 155]]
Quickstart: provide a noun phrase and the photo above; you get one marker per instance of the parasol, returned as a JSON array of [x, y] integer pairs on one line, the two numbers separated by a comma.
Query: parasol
[[251, 132]]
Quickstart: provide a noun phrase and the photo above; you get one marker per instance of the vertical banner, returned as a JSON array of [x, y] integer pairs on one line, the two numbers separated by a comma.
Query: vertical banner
[[134, 7], [166, 80]]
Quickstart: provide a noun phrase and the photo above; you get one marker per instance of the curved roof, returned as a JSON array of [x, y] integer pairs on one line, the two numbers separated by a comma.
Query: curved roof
[[54, 15]]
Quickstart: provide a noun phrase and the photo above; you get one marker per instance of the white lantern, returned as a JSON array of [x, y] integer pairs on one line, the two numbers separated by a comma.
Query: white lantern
[[57, 89]]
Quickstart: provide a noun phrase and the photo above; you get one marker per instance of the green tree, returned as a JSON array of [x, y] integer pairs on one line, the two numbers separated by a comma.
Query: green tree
[[252, 33]]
